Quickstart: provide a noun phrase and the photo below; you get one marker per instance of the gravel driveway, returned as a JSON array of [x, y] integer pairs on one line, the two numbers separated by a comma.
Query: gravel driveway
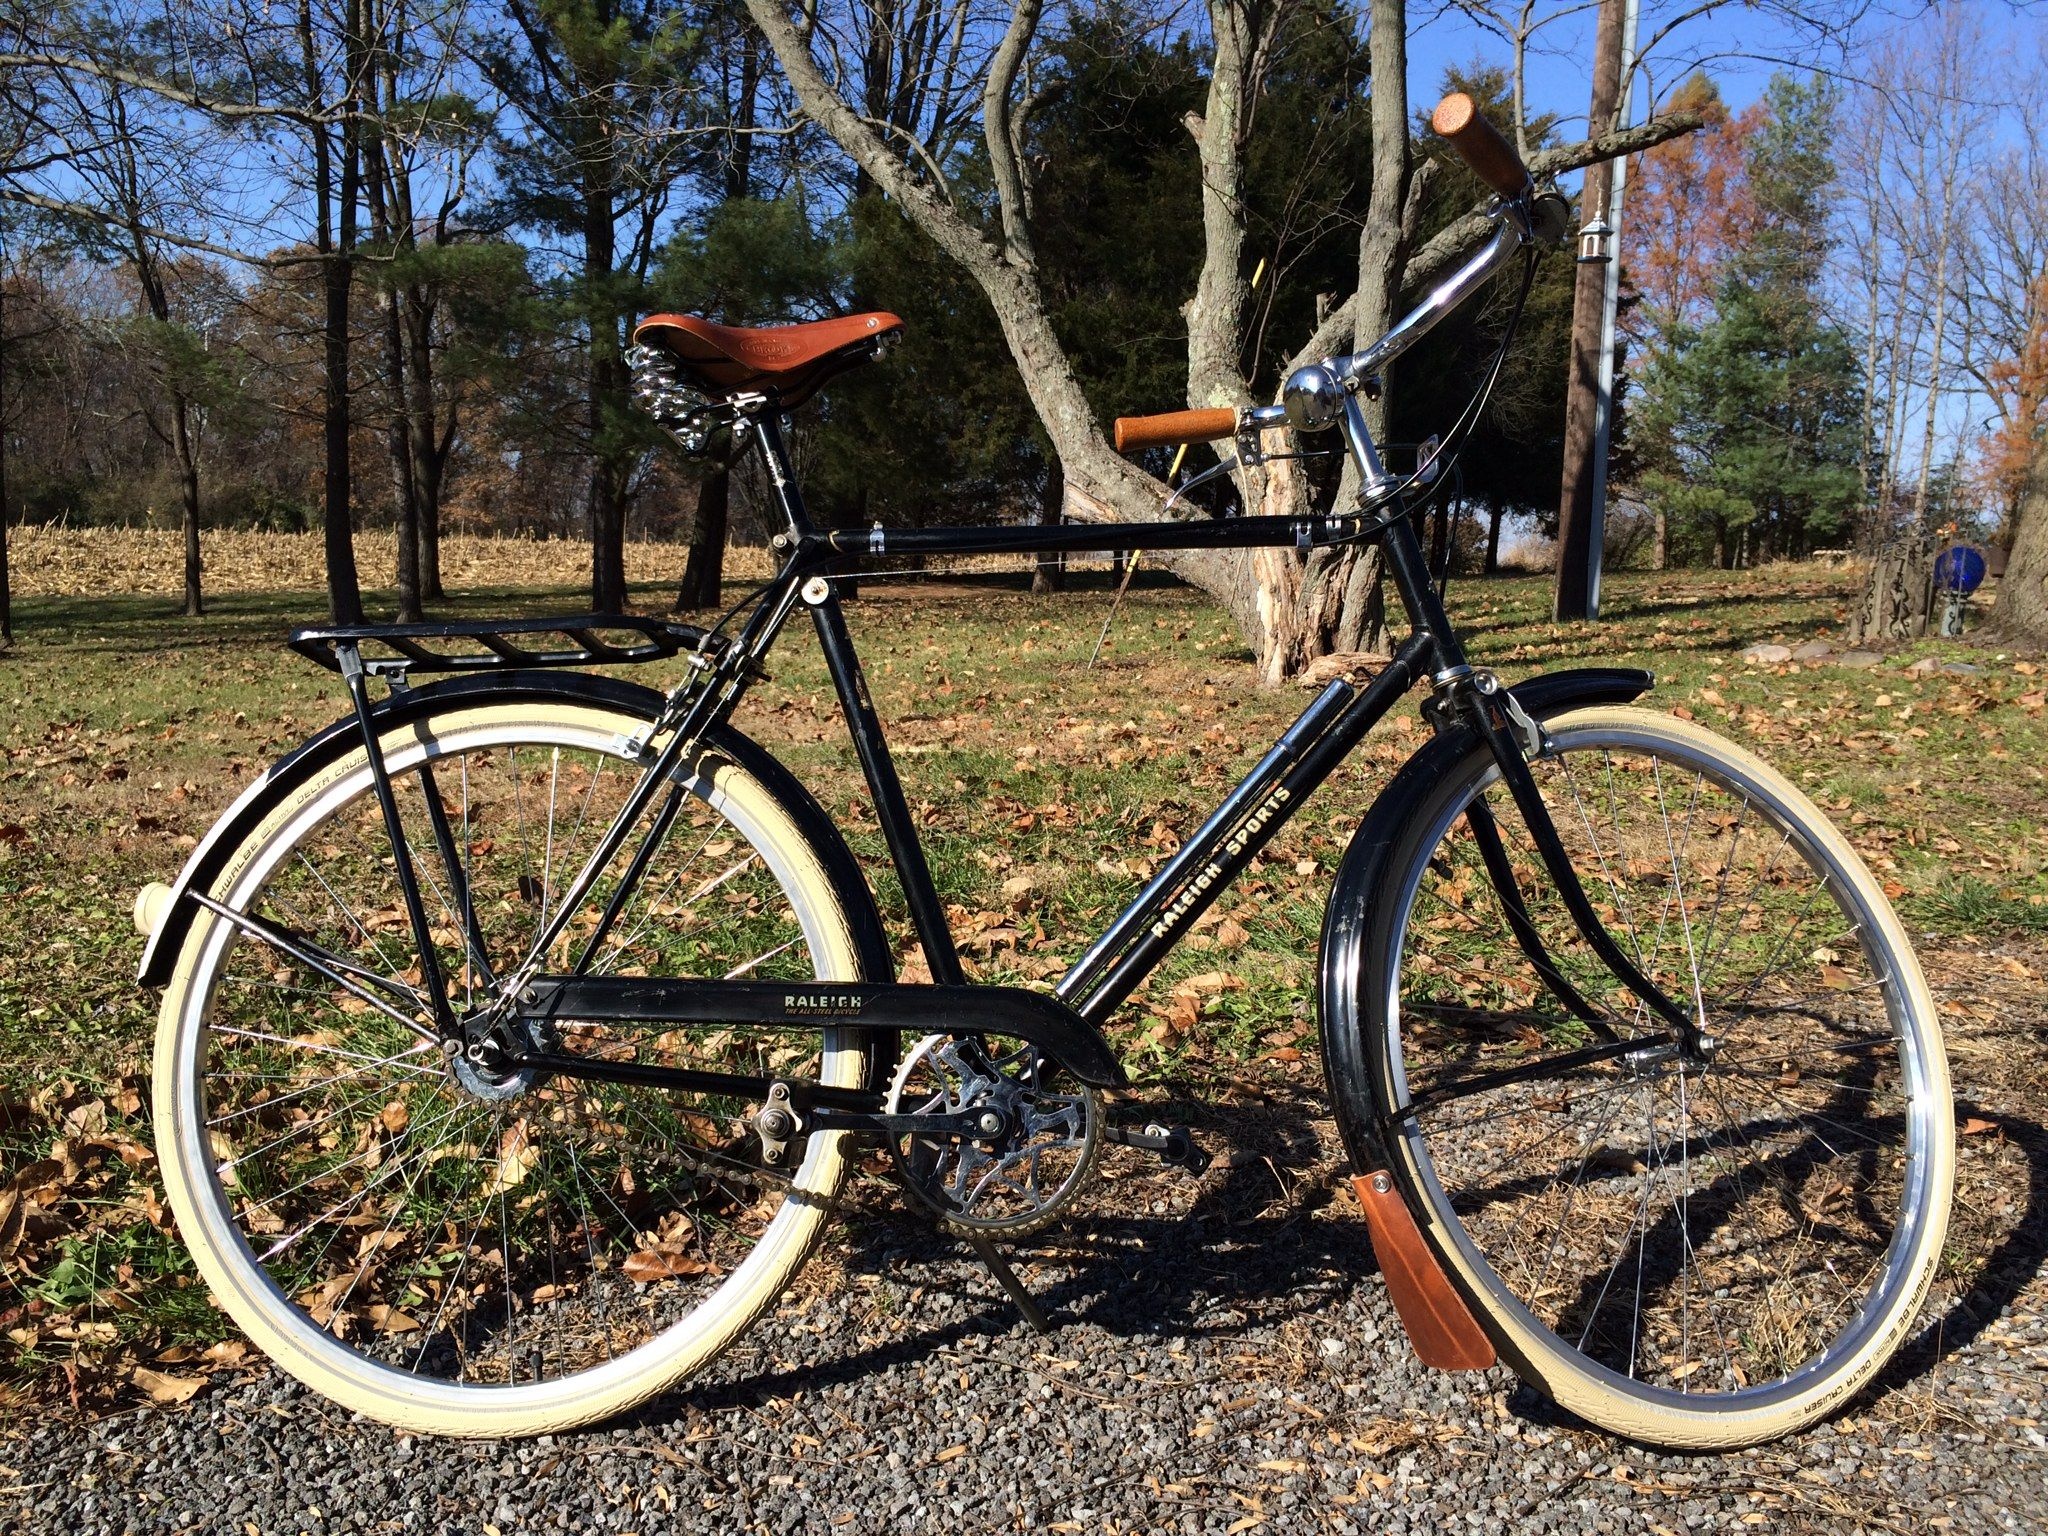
[[1224, 1359]]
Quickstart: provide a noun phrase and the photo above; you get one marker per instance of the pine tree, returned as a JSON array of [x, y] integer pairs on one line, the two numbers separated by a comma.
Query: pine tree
[[1749, 423]]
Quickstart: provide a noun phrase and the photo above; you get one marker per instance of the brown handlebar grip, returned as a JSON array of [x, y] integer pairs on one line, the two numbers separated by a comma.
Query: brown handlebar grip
[[1479, 144], [1173, 428]]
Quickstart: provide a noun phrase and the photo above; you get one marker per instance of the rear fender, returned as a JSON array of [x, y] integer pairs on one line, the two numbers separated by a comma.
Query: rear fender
[[339, 739]]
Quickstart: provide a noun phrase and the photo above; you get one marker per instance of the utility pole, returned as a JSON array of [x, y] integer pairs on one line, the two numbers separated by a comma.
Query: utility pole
[[1578, 548], [6, 594], [1603, 426]]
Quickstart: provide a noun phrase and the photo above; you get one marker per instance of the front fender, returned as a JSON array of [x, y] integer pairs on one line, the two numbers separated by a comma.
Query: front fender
[[339, 739], [1348, 917]]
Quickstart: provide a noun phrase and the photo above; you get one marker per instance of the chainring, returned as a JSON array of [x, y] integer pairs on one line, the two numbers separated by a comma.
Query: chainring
[[1016, 1182]]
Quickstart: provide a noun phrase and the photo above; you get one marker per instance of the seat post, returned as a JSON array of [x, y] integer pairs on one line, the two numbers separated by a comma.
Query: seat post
[[768, 428]]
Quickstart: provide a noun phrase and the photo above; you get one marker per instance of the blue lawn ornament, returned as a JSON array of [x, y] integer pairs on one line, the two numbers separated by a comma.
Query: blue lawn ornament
[[1959, 568]]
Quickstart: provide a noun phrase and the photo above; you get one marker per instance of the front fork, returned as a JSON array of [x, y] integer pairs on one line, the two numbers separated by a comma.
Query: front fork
[[1516, 739]]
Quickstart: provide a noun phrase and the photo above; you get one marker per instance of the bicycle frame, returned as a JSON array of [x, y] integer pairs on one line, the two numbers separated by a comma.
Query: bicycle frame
[[1066, 1025]]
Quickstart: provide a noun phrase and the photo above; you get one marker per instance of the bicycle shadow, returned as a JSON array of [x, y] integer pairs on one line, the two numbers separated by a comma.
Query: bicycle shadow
[[1249, 1249], [2004, 1273], [1245, 1249]]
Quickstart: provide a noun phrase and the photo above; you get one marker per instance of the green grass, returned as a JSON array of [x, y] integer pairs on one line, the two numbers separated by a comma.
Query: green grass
[[128, 728], [1047, 792]]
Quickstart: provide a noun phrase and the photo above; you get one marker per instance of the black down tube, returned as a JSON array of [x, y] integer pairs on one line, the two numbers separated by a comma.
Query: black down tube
[[1222, 856]]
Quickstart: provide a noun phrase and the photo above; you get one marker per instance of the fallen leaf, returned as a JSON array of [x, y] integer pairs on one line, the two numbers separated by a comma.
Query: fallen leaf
[[165, 1388], [1209, 983], [517, 1156], [951, 1453], [1974, 1126], [648, 1266]]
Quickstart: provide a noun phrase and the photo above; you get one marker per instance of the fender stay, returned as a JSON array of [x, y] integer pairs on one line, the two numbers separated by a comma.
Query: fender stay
[[344, 736]]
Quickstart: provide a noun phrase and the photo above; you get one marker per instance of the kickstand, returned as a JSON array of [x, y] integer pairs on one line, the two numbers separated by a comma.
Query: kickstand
[[1007, 1278]]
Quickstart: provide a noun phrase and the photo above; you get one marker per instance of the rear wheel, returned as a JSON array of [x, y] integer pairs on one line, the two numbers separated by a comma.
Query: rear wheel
[[459, 1250], [1699, 1249]]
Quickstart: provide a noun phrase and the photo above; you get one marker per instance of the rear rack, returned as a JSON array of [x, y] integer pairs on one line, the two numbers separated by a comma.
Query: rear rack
[[476, 645]]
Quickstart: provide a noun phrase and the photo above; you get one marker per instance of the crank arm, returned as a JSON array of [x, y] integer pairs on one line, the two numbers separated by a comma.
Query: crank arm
[[967, 1125], [1172, 1145]]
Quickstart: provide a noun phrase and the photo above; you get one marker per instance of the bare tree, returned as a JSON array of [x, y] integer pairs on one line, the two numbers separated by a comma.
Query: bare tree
[[1282, 603], [737, 88], [2004, 288], [425, 140], [120, 150], [1938, 120]]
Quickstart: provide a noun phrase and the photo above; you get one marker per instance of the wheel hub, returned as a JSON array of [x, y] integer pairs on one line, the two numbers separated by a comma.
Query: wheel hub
[[483, 1065]]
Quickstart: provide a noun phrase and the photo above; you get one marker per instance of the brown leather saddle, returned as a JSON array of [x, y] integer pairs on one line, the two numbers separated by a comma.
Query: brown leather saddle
[[786, 361]]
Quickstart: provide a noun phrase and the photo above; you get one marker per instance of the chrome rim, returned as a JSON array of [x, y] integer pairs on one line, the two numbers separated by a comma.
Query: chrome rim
[[1712, 1234]]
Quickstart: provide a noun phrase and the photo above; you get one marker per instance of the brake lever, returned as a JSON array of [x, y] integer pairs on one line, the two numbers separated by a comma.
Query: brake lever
[[1220, 467], [1225, 466]]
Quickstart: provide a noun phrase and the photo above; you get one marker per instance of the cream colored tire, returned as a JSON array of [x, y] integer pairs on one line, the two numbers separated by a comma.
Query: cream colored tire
[[1473, 1162], [206, 1213]]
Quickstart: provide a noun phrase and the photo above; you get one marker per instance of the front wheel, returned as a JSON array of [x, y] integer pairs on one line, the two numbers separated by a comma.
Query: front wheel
[[1701, 1247], [459, 1250]]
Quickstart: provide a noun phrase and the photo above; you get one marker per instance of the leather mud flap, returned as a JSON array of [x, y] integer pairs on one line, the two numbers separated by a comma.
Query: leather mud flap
[[1440, 1326]]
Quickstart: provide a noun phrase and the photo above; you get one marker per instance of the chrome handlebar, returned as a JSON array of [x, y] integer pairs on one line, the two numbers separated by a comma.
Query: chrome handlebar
[[1445, 297], [1323, 395]]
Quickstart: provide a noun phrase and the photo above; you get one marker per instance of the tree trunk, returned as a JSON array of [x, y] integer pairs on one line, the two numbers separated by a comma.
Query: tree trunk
[[2023, 590], [1289, 610], [428, 446], [188, 498], [336, 242], [1334, 600], [344, 591], [704, 570], [6, 589], [1049, 570], [1934, 363], [1495, 513], [386, 212], [608, 403], [1575, 551], [404, 486]]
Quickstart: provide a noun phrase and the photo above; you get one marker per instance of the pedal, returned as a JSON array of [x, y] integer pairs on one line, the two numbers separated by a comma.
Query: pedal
[[1171, 1144]]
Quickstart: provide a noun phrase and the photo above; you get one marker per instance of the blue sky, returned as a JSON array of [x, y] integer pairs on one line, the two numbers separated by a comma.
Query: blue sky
[[1740, 45]]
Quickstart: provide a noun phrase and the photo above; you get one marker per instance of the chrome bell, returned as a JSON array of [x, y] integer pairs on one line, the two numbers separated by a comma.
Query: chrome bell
[[1313, 399]]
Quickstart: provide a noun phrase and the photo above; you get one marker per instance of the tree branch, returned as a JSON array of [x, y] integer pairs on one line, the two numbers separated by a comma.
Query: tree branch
[[111, 220], [1451, 244], [997, 130], [156, 86], [856, 134]]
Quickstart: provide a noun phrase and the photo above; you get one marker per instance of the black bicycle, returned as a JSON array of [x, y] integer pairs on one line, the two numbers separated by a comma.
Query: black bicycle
[[520, 1027]]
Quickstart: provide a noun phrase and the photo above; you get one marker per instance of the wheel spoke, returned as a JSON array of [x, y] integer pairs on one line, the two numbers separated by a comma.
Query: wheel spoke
[[1704, 1219], [492, 1226]]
